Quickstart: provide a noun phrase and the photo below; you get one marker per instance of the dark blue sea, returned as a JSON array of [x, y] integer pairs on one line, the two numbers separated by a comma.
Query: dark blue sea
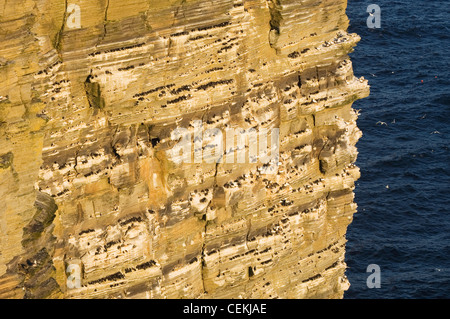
[[403, 195]]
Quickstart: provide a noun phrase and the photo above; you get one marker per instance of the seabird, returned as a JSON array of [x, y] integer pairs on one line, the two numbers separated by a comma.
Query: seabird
[[381, 123]]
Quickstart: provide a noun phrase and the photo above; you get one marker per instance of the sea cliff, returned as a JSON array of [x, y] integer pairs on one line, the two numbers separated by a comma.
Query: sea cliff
[[90, 95]]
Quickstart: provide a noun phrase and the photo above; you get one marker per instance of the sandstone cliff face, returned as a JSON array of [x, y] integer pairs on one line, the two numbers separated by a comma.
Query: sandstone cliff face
[[86, 117]]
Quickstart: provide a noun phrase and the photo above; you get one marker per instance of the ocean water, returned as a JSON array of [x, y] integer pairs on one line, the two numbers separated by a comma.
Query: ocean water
[[403, 195]]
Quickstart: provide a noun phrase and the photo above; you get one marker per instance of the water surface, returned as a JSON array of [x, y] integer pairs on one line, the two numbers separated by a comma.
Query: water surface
[[403, 196]]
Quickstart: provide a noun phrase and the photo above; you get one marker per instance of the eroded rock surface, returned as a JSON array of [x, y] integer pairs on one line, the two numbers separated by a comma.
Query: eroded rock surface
[[86, 117]]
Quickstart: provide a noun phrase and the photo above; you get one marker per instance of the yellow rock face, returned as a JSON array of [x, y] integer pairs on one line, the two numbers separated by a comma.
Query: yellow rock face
[[91, 94]]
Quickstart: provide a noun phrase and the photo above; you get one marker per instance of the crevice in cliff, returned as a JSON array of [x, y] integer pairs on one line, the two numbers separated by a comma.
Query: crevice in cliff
[[113, 144], [251, 273], [181, 6], [58, 37], [202, 260], [299, 82], [6, 160], [203, 252], [249, 227], [35, 266], [94, 94], [46, 209], [275, 21], [105, 20]]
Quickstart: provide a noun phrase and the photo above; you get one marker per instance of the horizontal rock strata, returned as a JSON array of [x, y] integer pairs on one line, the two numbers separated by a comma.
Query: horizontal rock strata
[[87, 114]]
